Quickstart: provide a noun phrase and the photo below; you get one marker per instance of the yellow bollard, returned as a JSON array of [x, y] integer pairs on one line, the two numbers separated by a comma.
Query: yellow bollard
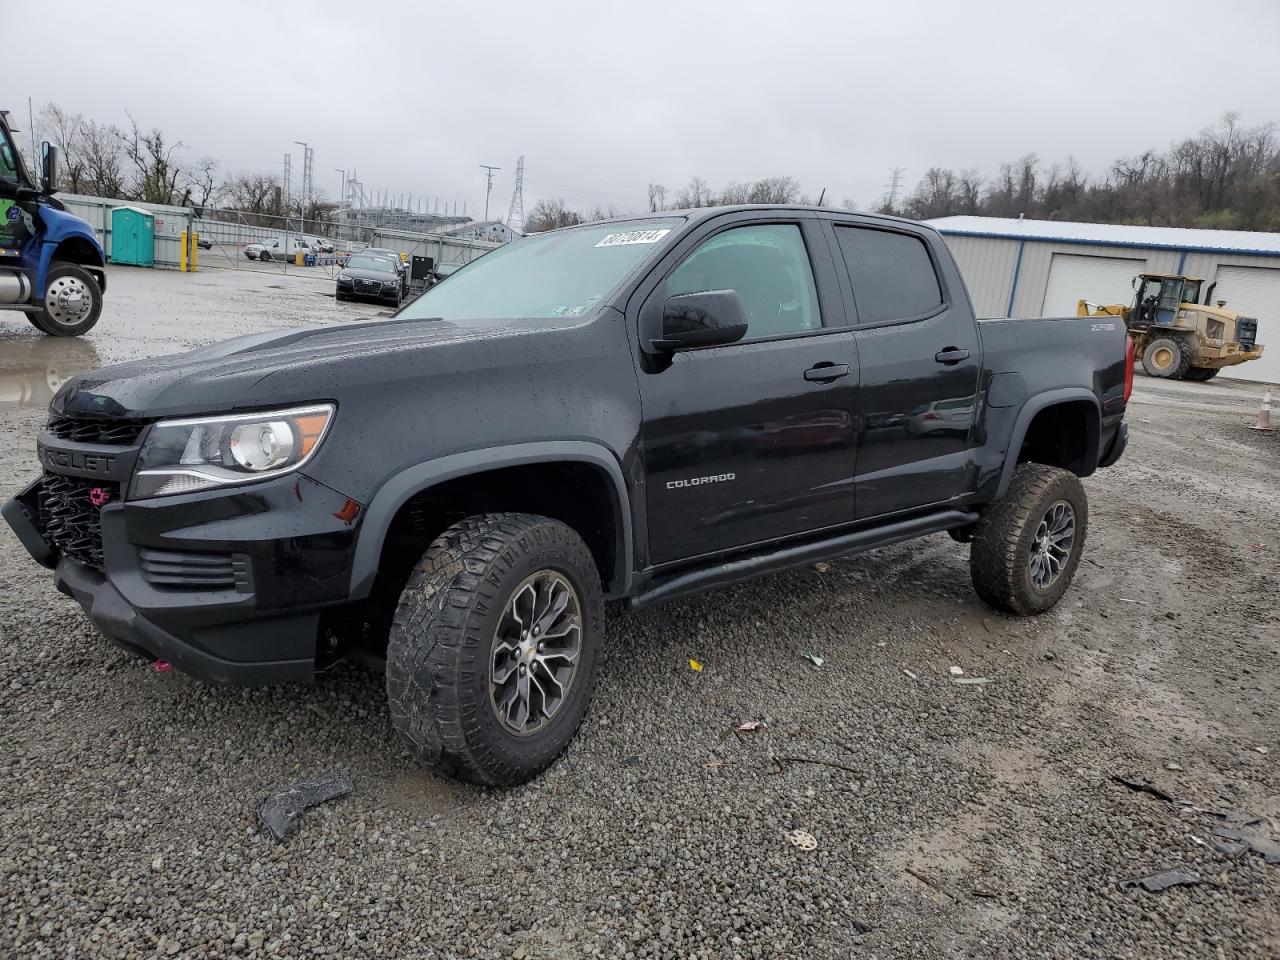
[[194, 259], [182, 254]]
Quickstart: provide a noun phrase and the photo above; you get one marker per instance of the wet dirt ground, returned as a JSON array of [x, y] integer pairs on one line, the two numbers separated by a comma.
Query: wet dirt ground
[[950, 820]]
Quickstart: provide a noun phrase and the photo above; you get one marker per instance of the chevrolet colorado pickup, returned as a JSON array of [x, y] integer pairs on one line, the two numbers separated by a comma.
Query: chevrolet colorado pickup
[[630, 410]]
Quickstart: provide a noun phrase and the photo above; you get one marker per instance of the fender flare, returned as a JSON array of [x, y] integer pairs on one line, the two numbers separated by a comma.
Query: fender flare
[[59, 227], [1033, 406], [397, 491]]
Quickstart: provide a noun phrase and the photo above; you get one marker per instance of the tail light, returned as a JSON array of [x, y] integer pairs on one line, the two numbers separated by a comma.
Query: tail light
[[1130, 355]]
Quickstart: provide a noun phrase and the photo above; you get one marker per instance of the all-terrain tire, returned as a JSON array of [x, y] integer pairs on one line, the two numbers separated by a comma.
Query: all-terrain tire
[[57, 317], [1000, 560], [443, 635], [1201, 374], [1167, 357]]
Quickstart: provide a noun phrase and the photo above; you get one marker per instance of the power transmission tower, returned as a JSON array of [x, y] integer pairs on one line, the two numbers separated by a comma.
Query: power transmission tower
[[488, 187], [891, 189], [306, 177], [515, 215]]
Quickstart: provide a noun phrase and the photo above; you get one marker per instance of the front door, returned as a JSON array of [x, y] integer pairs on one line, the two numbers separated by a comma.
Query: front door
[[752, 441], [919, 363]]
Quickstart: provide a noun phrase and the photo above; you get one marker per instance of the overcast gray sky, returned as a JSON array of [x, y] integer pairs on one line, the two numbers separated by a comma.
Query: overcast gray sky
[[604, 97]]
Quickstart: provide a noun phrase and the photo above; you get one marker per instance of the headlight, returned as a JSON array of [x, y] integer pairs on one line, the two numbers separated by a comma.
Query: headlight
[[344, 276], [182, 456]]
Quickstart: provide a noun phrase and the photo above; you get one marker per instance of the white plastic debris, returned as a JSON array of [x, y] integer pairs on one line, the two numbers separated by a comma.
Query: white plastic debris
[[803, 839], [957, 671]]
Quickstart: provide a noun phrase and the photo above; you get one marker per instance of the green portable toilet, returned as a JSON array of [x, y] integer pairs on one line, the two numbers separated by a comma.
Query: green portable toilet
[[133, 236]]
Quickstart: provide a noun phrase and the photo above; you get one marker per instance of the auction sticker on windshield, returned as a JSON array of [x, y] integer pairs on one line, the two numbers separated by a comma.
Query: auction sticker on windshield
[[633, 236]]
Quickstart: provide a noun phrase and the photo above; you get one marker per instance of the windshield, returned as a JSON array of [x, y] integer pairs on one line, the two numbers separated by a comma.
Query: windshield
[[371, 263], [561, 274]]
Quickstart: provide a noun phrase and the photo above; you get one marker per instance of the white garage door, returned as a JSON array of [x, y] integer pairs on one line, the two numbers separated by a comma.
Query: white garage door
[[1255, 292], [1073, 278]]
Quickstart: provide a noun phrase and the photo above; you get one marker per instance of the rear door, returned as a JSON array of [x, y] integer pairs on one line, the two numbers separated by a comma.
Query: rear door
[[919, 360], [751, 441]]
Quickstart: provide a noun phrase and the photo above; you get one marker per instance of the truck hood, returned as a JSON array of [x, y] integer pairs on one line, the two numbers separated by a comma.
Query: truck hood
[[239, 372]]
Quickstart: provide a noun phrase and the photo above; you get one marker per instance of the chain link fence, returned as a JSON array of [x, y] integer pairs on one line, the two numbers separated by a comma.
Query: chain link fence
[[236, 240]]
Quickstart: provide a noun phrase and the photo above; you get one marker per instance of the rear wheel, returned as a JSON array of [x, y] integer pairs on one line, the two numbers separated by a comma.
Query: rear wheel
[[72, 302], [1166, 357], [491, 658], [1201, 374], [1028, 543]]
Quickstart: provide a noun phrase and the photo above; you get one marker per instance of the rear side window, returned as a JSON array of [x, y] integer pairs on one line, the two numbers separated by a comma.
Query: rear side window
[[892, 275]]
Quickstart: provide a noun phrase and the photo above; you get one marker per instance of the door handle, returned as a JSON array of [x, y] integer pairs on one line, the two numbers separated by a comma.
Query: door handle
[[826, 371], [951, 355]]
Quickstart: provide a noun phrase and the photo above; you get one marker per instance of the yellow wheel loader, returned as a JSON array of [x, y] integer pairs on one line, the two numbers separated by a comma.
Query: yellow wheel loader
[[1176, 335]]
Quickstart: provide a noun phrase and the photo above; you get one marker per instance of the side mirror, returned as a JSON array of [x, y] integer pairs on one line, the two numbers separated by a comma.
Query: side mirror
[[707, 319], [49, 167]]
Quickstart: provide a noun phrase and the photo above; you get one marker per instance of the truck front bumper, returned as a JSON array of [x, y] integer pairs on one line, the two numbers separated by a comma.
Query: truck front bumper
[[227, 585]]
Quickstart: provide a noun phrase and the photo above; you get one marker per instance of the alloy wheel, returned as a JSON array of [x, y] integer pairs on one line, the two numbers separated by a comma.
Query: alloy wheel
[[535, 652], [1055, 535]]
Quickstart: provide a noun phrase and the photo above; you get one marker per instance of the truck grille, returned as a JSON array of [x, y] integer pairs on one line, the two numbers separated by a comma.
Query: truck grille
[[85, 430], [1247, 332], [195, 571], [70, 515]]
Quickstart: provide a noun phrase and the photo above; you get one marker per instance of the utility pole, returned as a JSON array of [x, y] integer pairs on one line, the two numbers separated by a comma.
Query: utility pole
[[288, 163], [488, 187], [515, 214]]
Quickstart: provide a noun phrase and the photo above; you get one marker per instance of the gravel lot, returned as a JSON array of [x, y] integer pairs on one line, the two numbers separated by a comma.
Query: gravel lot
[[950, 820]]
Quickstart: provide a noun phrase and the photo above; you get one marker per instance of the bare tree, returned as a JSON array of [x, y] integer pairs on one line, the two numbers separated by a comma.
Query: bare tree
[[550, 214], [254, 194], [103, 160], [696, 194], [155, 174], [657, 197], [202, 182], [66, 132], [775, 190]]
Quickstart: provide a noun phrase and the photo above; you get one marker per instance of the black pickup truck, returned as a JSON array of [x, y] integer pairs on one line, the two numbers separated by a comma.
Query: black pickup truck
[[630, 410]]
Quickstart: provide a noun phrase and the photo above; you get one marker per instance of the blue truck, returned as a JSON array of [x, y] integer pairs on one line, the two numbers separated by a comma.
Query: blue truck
[[51, 263]]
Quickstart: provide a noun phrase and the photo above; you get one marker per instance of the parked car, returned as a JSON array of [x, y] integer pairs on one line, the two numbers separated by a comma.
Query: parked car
[[320, 244], [375, 275], [278, 249], [630, 411], [203, 242]]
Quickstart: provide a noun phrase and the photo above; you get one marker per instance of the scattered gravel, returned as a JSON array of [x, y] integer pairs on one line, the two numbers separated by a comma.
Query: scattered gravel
[[948, 819]]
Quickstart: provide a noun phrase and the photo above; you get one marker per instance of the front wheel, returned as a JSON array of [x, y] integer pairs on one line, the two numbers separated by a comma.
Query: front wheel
[[492, 654], [1166, 357], [72, 302], [1027, 545], [264, 256]]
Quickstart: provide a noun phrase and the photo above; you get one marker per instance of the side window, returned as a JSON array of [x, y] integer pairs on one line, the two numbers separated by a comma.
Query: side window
[[891, 273], [8, 165], [767, 265]]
